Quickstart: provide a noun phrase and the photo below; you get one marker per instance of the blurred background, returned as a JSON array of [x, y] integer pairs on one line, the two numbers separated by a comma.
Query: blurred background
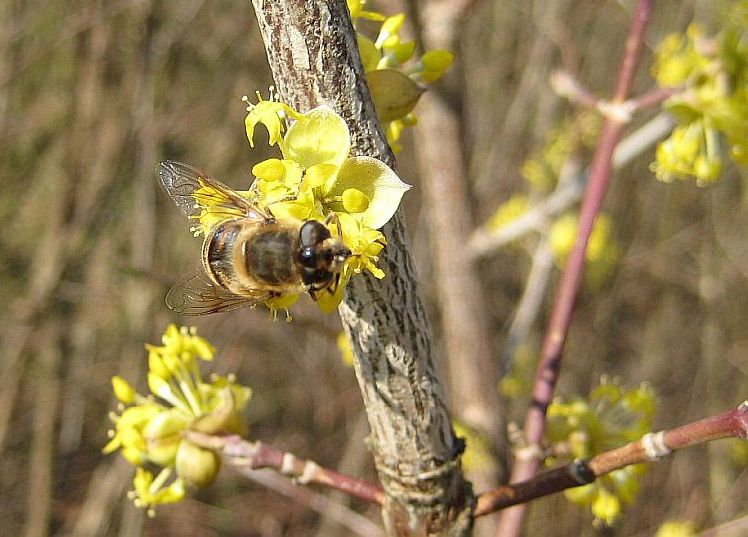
[[94, 94]]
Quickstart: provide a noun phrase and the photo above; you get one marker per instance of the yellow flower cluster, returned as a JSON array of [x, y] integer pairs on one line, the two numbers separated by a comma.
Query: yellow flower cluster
[[394, 88], [316, 179], [148, 429], [610, 417], [711, 104]]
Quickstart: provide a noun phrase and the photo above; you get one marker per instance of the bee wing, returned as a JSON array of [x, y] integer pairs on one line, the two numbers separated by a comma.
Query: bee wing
[[181, 180], [195, 294]]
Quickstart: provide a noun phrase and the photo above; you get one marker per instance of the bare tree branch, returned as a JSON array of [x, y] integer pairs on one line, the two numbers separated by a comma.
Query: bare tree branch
[[313, 54], [558, 326], [651, 447]]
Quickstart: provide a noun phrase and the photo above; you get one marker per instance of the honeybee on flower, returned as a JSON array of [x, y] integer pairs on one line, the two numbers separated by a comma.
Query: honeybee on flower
[[306, 224]]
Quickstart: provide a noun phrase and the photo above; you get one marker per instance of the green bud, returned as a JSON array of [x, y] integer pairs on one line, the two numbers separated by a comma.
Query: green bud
[[162, 436], [197, 466], [394, 94]]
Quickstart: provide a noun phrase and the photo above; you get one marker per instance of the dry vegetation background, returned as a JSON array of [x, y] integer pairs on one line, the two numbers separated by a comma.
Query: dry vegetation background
[[93, 94]]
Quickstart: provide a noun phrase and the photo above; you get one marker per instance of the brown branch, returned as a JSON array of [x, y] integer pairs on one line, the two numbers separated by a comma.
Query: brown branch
[[558, 326], [566, 85], [651, 447], [313, 54], [240, 453], [484, 242], [654, 97], [357, 524]]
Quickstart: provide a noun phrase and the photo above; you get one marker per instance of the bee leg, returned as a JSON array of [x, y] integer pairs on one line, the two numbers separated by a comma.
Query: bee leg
[[333, 217], [313, 294], [333, 287]]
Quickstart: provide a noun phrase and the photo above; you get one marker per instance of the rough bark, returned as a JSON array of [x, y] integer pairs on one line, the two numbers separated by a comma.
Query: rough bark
[[313, 54]]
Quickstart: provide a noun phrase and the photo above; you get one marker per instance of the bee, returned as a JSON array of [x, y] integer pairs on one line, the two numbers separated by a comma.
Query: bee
[[250, 257]]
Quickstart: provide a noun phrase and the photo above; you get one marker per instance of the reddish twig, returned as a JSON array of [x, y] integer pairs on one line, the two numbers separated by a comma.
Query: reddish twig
[[654, 97], [255, 455], [558, 326], [566, 85], [651, 447]]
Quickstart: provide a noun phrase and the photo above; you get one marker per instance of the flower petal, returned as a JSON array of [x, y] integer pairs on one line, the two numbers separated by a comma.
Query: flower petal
[[377, 182], [317, 137], [394, 94]]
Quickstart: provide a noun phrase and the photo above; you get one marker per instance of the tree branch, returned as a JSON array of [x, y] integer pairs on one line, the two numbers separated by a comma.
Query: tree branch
[[560, 320], [314, 57], [650, 448], [241, 453]]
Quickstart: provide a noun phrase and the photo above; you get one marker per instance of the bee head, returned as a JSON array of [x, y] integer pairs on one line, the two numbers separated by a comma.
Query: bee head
[[319, 250]]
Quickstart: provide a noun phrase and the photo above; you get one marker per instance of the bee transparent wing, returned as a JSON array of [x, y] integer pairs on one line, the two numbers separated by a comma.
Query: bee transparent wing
[[181, 180], [197, 295]]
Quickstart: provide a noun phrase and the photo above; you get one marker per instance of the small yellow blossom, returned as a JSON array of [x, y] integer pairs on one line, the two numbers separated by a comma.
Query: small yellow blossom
[[477, 453], [149, 430], [710, 105], [122, 390], [395, 97], [270, 113], [508, 212], [676, 528], [610, 417]]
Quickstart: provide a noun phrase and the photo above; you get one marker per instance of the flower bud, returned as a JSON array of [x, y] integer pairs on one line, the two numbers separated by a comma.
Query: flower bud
[[122, 390], [197, 466]]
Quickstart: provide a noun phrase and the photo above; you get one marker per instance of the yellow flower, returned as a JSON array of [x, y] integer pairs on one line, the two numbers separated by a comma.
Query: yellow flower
[[149, 430], [317, 176], [509, 211], [477, 449], [150, 492], [270, 113], [122, 390], [676, 528], [395, 97], [365, 245], [606, 507], [356, 7], [612, 416]]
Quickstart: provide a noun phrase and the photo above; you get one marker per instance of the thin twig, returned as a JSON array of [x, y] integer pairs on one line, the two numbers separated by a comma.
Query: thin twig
[[558, 326], [356, 523], [739, 526], [650, 448], [484, 242], [255, 455], [531, 301], [654, 97]]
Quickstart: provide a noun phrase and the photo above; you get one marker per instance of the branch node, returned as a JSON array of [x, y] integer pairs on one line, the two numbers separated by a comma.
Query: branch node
[[743, 418], [619, 112], [288, 463], [654, 446], [529, 453], [581, 472], [310, 471]]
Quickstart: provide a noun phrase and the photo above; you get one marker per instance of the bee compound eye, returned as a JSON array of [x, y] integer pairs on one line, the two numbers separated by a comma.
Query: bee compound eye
[[312, 233], [307, 256]]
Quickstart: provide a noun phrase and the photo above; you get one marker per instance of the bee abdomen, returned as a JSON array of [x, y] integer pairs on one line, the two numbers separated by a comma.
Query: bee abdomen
[[270, 256], [217, 253]]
